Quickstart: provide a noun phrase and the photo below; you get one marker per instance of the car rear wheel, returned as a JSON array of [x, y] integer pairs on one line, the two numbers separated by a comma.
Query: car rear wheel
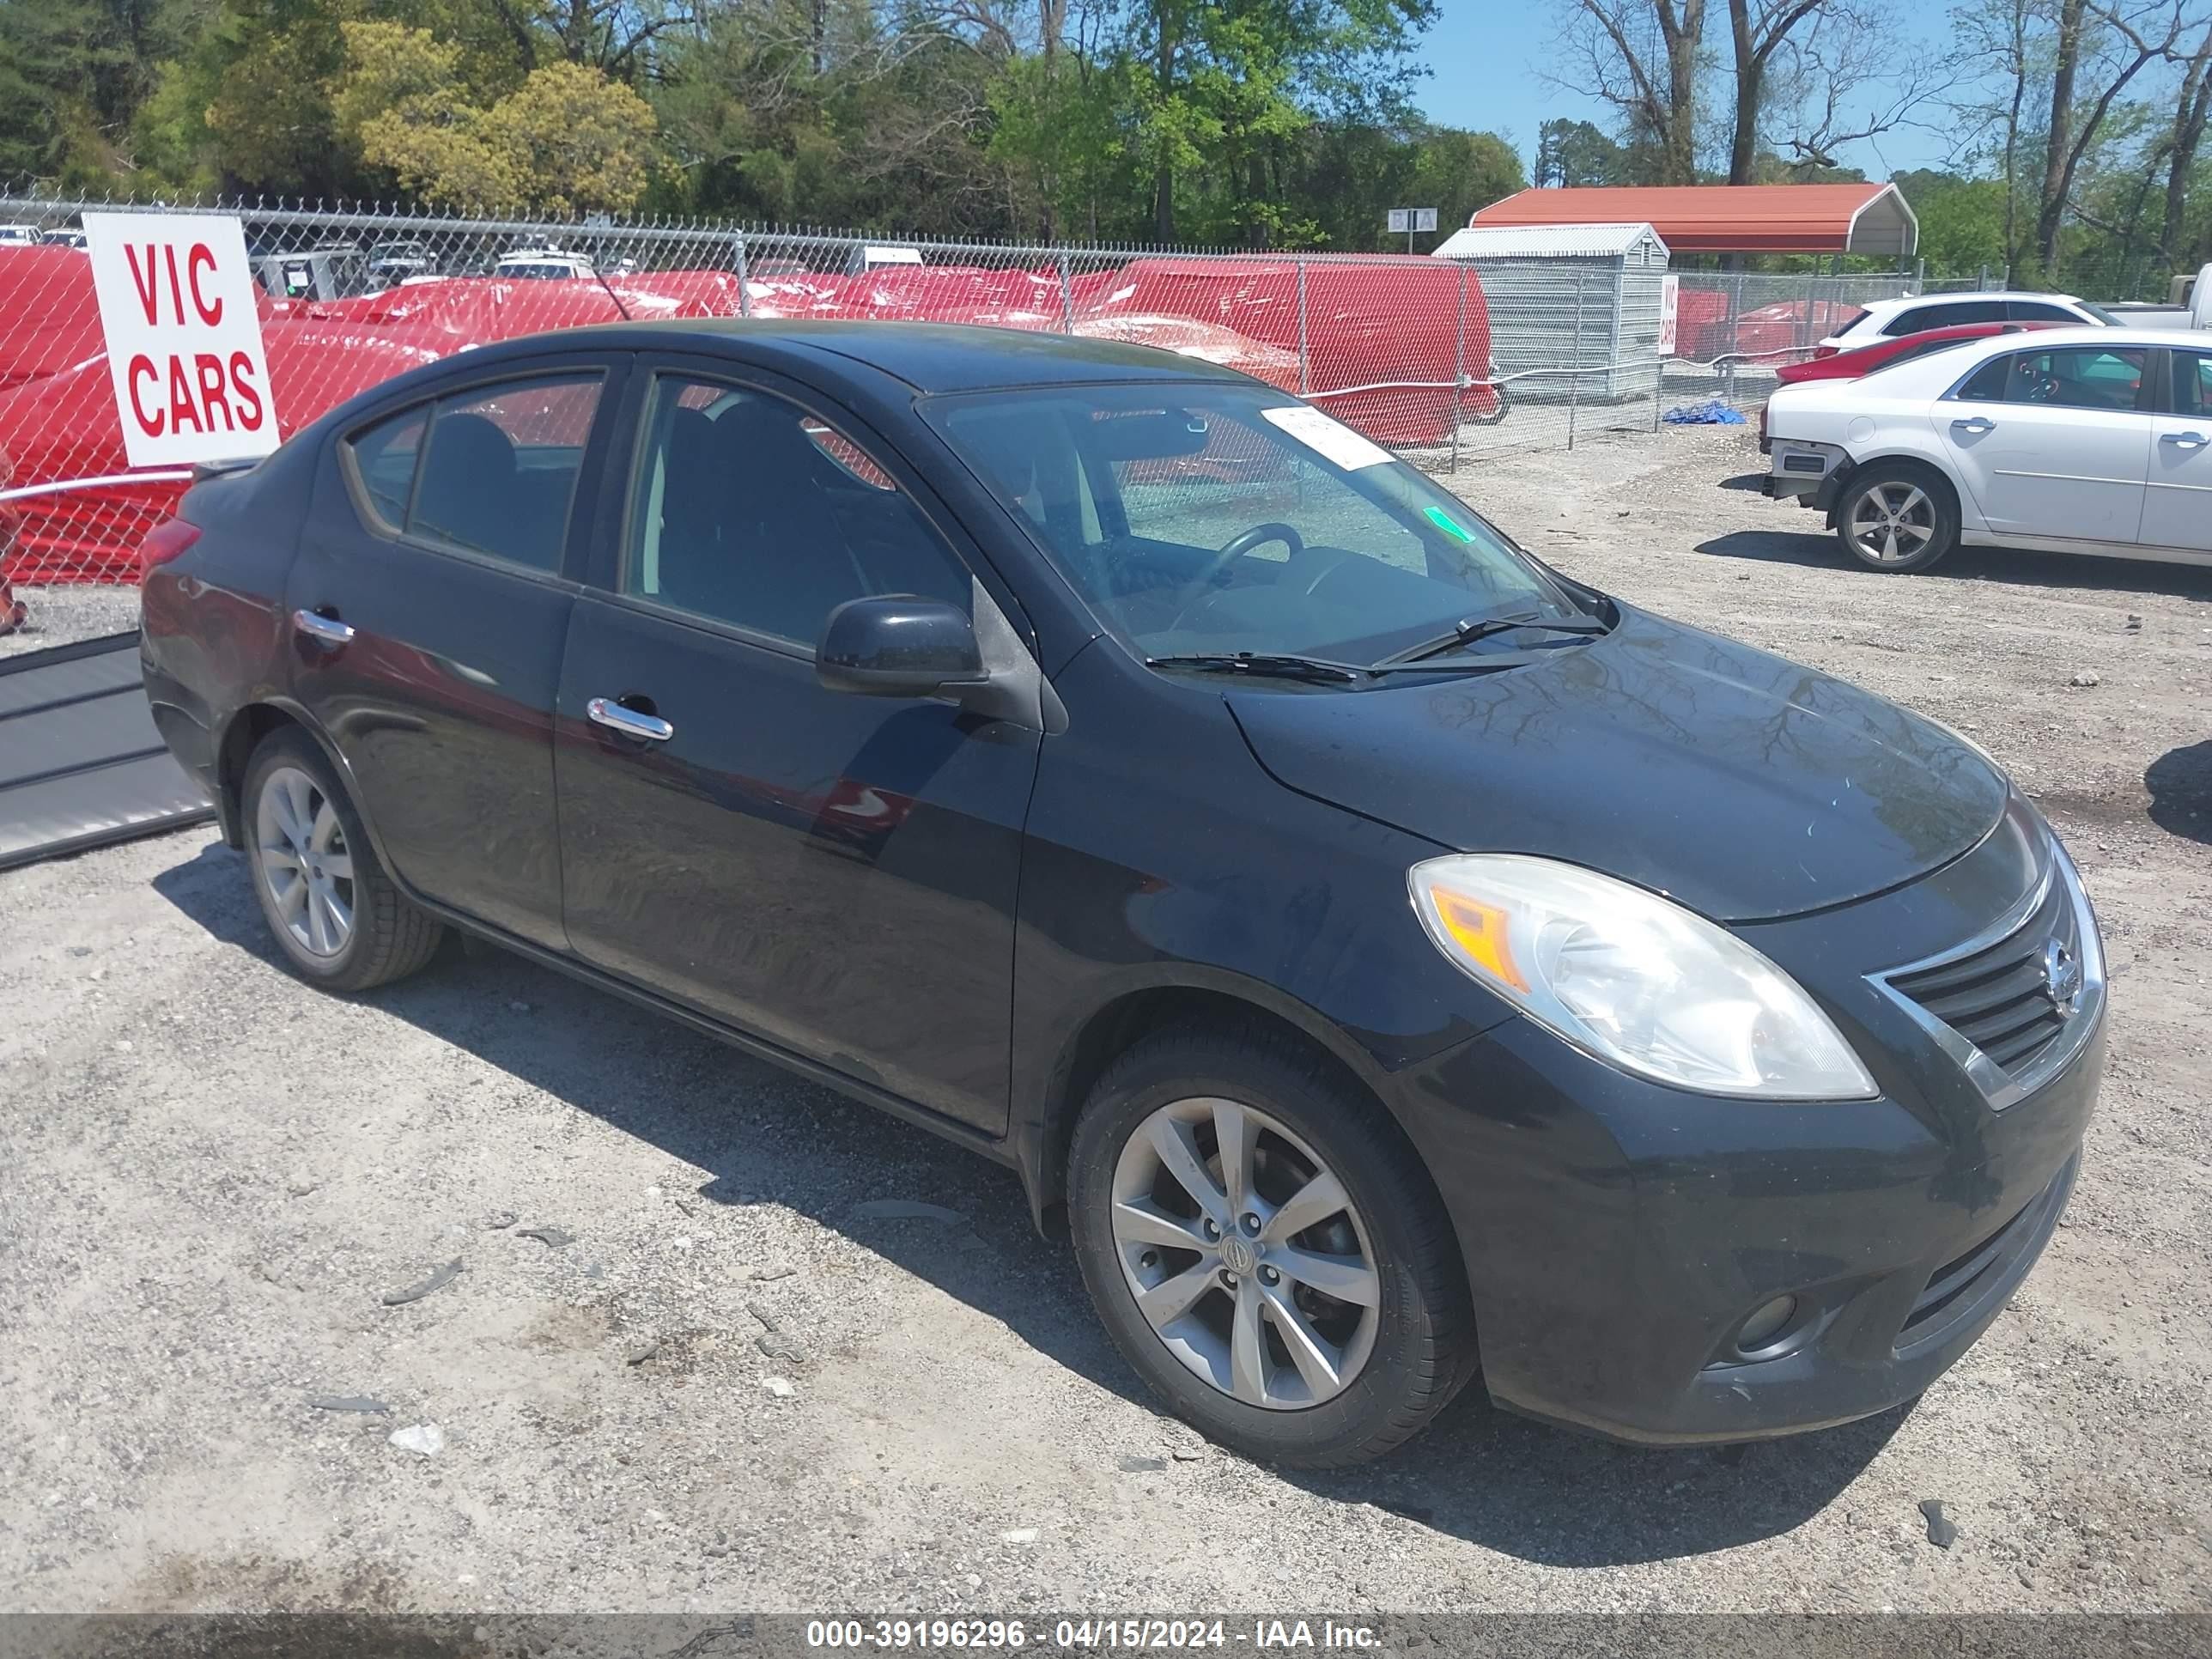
[[1265, 1249], [333, 912], [1896, 520]]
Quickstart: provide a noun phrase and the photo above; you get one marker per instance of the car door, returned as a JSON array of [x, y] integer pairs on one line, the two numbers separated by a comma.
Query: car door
[[2054, 441], [2178, 503], [430, 605], [833, 872]]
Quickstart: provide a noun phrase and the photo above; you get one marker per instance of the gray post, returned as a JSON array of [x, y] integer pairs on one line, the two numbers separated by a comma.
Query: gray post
[[1575, 385], [1459, 367], [1736, 336], [1305, 362], [1066, 297], [744, 297], [1982, 281]]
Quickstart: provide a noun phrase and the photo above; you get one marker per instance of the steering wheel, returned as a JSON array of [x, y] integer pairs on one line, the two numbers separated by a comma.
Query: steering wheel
[[1237, 546]]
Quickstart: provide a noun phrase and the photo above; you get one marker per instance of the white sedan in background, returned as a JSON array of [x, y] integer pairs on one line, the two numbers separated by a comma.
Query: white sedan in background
[[2065, 441]]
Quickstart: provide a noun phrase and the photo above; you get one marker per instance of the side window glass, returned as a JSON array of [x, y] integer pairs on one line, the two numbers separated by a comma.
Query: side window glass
[[2192, 383], [2034, 311], [1917, 320], [748, 510], [383, 456], [2077, 377], [500, 468], [1988, 383]]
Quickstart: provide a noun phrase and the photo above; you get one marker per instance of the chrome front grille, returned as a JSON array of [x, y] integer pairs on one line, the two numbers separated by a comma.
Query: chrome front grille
[[2016, 1003], [2001, 998]]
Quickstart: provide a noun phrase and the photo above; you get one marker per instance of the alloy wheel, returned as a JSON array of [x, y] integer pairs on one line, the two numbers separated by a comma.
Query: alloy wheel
[[300, 851], [1892, 522], [1244, 1254]]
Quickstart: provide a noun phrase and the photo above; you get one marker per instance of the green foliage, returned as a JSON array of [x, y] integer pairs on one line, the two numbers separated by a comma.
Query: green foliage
[[566, 140], [1575, 155], [1961, 220]]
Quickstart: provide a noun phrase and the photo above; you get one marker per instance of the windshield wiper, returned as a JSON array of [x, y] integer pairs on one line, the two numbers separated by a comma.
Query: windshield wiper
[[1267, 665], [1481, 628]]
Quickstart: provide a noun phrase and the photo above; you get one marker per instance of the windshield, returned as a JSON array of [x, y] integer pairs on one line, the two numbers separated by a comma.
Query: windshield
[[1216, 518]]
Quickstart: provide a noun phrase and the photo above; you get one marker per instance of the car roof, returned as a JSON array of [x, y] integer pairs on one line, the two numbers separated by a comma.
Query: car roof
[[1902, 301], [930, 357]]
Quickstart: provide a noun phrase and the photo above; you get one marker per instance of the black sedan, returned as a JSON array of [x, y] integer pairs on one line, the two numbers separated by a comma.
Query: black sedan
[[1398, 962]]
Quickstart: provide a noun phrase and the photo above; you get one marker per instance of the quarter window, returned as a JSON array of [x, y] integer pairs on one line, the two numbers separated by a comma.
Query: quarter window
[[384, 456], [749, 510], [490, 470], [2192, 383], [2064, 377]]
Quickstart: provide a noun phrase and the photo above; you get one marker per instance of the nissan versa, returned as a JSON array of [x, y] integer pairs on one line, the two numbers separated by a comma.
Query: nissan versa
[[1399, 962]]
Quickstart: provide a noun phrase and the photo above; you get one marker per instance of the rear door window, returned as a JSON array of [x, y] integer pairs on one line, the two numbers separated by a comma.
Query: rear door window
[[2038, 311], [2062, 376], [491, 471]]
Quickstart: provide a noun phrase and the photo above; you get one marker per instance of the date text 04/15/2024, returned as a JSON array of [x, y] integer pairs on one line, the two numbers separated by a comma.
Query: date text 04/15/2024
[[1125, 1634]]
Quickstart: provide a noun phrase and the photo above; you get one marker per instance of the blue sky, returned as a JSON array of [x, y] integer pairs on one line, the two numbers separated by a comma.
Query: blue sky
[[1485, 58]]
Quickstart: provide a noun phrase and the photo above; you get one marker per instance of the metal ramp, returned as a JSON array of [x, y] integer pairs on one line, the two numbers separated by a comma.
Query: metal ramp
[[81, 764]]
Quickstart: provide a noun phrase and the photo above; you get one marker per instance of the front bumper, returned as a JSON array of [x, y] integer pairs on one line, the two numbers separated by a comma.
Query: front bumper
[[1618, 1233]]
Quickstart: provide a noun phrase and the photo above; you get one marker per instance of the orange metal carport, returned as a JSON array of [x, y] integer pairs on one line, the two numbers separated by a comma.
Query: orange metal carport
[[1730, 218]]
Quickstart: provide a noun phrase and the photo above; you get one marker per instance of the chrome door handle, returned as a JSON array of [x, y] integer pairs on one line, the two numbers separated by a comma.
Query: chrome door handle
[[604, 711], [2183, 440], [326, 630], [1976, 426]]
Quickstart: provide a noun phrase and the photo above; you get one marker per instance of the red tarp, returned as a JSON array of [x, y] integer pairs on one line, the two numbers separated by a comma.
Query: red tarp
[[1388, 338]]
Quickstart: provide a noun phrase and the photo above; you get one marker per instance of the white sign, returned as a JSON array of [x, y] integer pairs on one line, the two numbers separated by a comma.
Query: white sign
[[1670, 306], [1402, 220], [1425, 218], [183, 336], [1331, 440]]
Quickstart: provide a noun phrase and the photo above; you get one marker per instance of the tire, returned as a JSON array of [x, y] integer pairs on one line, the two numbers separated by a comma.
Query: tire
[[1397, 1361], [289, 785], [1925, 526]]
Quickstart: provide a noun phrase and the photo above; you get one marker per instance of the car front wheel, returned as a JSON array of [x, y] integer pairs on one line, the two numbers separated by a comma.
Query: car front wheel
[[1265, 1249], [334, 913], [1896, 520]]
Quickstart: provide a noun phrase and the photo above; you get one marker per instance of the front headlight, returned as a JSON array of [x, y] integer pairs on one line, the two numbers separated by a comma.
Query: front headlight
[[1634, 979]]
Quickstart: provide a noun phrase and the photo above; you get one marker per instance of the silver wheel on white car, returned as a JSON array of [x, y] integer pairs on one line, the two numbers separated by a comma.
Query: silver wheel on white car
[[1893, 522], [1896, 518]]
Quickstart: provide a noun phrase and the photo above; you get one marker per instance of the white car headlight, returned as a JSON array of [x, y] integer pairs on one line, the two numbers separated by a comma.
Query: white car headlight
[[1634, 979]]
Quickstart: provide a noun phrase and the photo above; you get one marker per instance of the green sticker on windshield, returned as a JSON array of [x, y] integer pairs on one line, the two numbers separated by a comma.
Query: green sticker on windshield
[[1444, 521]]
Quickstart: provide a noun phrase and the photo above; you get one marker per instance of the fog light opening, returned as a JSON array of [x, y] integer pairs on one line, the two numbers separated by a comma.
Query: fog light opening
[[1766, 1324]]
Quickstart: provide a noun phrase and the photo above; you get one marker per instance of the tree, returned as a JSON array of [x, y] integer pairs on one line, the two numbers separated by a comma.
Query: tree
[[1962, 220], [1642, 56], [2191, 110], [1757, 30], [2113, 45], [1574, 155], [567, 140]]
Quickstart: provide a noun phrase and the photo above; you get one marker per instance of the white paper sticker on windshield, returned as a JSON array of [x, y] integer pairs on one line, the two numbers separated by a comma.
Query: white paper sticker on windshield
[[1331, 439]]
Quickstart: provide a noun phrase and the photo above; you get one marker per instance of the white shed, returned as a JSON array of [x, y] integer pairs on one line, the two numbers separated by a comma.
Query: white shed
[[1560, 297]]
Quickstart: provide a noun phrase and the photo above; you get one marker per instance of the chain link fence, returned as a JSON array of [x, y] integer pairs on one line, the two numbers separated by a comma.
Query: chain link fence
[[1443, 362]]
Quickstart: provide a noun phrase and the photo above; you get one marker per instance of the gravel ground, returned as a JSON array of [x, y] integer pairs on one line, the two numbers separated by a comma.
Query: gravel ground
[[724, 1383], [57, 615]]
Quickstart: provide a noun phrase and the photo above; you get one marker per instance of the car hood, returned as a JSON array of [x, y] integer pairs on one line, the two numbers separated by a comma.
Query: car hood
[[1743, 785]]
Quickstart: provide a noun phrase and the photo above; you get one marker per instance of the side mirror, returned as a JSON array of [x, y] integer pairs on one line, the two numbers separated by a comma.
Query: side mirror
[[897, 647]]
